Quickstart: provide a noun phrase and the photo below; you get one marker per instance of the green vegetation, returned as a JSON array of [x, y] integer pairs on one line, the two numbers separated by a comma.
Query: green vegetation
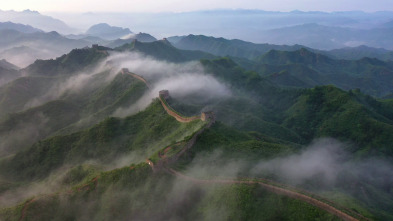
[[163, 50], [303, 115], [224, 47], [73, 111], [331, 112], [15, 96], [137, 193], [143, 134], [307, 69], [77, 60], [272, 113]]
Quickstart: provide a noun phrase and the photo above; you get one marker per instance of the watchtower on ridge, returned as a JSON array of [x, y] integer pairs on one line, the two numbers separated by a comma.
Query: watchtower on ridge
[[164, 94], [206, 116]]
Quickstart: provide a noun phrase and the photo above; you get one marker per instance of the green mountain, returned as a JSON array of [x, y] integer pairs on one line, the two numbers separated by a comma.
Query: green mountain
[[324, 103], [142, 37], [328, 37], [58, 132], [42, 76], [163, 50], [108, 32], [144, 133], [224, 47], [248, 50], [76, 60], [69, 113], [303, 68], [362, 51]]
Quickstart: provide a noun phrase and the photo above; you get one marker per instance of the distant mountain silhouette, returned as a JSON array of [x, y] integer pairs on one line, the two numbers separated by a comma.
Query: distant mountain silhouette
[[225, 47], [35, 19], [18, 27], [328, 37], [142, 37], [108, 32]]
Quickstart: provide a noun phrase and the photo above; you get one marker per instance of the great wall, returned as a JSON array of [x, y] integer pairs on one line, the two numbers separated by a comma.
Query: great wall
[[164, 162], [126, 71]]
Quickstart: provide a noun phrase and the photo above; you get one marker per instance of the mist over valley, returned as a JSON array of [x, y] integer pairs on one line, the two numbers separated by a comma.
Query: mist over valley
[[208, 114]]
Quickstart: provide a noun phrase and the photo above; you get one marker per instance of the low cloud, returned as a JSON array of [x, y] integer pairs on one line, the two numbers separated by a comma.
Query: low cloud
[[22, 134], [182, 80], [323, 166], [324, 159], [75, 84]]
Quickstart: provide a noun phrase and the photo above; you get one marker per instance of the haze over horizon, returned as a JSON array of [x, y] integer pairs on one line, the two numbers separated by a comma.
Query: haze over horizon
[[187, 6]]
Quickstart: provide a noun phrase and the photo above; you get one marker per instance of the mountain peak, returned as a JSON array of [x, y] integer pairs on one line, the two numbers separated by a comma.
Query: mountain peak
[[18, 27], [165, 41], [106, 31], [7, 65], [302, 55]]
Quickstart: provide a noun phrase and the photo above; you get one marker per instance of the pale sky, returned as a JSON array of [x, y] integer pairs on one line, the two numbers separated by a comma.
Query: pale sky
[[193, 5]]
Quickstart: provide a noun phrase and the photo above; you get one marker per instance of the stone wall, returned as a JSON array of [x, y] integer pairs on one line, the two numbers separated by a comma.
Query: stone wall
[[126, 71], [176, 115]]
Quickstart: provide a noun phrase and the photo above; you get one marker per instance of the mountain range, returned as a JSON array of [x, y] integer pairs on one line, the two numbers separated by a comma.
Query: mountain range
[[249, 50], [60, 129], [35, 19], [328, 38], [108, 32], [18, 27], [113, 125]]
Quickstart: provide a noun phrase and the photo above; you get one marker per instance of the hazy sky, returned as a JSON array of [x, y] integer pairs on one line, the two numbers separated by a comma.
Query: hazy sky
[[192, 5]]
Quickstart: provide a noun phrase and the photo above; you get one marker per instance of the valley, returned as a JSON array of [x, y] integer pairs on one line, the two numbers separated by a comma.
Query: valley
[[221, 115]]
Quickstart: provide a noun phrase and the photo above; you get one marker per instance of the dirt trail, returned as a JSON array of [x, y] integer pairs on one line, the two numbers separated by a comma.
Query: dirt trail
[[164, 162], [23, 215], [275, 189]]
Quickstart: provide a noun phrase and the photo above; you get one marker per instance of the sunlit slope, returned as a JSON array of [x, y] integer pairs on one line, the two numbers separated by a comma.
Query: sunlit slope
[[307, 113], [67, 64], [15, 95], [330, 112], [142, 134], [69, 112], [137, 193], [43, 76]]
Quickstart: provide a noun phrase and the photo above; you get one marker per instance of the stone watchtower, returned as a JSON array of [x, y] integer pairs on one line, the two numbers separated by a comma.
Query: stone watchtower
[[205, 116], [164, 94]]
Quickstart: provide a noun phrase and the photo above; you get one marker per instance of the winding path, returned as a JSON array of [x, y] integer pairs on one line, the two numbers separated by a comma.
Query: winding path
[[23, 215], [163, 162], [275, 189]]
